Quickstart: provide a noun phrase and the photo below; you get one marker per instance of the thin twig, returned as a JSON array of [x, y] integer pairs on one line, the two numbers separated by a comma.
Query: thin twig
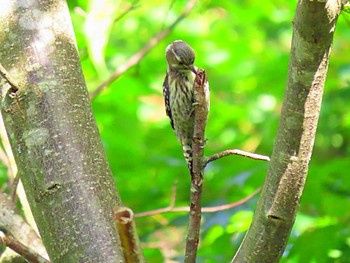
[[23, 250], [219, 155], [13, 224], [232, 205], [200, 119], [132, 61], [213, 209], [5, 160], [131, 7], [78, 10], [13, 187], [8, 78], [169, 208]]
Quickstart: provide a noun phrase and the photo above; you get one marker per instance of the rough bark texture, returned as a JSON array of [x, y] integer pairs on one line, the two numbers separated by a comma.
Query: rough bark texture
[[314, 25], [53, 134]]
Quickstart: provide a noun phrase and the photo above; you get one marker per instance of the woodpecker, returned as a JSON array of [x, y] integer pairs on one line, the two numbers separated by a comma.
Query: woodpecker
[[179, 95]]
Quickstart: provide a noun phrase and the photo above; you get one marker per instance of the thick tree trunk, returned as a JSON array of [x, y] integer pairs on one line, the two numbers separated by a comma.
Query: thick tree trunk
[[314, 25], [53, 134]]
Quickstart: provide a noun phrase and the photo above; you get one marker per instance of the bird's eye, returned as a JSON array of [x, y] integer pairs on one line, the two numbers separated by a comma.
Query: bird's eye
[[179, 60], [177, 56]]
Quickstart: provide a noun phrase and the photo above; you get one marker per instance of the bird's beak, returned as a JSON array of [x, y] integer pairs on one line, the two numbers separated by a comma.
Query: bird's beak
[[193, 69]]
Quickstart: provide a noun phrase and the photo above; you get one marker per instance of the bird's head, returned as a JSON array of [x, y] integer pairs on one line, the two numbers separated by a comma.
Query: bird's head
[[180, 56]]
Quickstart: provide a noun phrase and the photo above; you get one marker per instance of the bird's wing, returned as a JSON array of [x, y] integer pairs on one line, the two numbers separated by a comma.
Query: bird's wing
[[166, 90]]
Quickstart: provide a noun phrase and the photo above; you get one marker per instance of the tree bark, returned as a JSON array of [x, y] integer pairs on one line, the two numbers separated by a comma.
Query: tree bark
[[201, 98], [314, 25], [53, 134]]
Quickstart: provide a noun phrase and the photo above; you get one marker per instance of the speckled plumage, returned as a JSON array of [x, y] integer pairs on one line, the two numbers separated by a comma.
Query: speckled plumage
[[178, 94]]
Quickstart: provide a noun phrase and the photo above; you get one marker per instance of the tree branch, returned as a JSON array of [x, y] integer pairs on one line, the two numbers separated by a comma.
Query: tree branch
[[130, 8], [169, 208], [232, 205], [21, 249], [55, 139], [200, 119], [266, 239], [13, 83], [15, 228], [235, 152], [132, 61], [213, 209]]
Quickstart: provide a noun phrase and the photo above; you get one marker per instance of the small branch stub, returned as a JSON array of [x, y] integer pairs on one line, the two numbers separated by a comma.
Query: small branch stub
[[124, 221]]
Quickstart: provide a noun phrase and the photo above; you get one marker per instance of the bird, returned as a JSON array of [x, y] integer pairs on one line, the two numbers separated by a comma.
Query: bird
[[179, 94]]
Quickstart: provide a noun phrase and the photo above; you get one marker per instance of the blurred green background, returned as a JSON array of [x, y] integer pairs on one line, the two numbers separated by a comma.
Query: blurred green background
[[244, 47]]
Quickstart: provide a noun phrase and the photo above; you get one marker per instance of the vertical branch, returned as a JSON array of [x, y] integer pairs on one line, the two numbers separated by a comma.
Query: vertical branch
[[201, 114], [54, 136], [314, 25]]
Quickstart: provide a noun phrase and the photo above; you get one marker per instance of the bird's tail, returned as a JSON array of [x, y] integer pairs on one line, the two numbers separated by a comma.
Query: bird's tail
[[187, 151]]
